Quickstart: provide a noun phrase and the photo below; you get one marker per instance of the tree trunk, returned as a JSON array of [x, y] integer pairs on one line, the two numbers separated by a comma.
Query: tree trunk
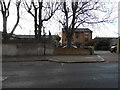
[[69, 42], [35, 24], [5, 36], [39, 31], [40, 20], [18, 18], [69, 38]]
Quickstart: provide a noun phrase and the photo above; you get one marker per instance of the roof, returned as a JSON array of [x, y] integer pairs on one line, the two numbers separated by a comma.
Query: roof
[[82, 30]]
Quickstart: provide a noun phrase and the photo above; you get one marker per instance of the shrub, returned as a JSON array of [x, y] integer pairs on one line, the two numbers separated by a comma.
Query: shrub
[[102, 44]]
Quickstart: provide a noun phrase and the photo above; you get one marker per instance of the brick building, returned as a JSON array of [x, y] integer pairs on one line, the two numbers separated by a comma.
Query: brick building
[[80, 36]]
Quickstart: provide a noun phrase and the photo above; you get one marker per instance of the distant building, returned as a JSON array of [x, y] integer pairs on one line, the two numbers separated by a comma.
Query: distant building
[[80, 36]]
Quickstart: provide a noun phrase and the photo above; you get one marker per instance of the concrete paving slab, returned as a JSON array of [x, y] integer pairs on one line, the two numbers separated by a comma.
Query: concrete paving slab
[[77, 59]]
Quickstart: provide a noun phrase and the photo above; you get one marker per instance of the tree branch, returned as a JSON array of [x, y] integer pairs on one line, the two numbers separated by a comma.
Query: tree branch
[[4, 5], [74, 8], [52, 11], [28, 9], [8, 4], [7, 9], [18, 17], [1, 7]]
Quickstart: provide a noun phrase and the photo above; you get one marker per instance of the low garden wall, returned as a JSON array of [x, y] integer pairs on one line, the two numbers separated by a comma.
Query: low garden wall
[[32, 47], [72, 51], [20, 48]]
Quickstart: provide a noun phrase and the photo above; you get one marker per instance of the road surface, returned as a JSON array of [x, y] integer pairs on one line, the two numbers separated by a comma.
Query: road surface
[[44, 74]]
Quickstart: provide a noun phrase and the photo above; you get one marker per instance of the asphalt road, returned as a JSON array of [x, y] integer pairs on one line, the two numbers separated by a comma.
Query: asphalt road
[[43, 74]]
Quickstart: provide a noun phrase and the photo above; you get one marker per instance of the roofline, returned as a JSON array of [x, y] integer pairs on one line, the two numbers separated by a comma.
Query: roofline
[[105, 37], [80, 28]]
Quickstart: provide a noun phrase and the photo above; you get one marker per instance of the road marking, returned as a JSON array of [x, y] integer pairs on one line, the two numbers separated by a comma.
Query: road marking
[[102, 59], [62, 64], [2, 78]]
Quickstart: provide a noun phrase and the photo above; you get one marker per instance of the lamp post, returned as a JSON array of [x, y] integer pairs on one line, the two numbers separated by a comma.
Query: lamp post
[[44, 34]]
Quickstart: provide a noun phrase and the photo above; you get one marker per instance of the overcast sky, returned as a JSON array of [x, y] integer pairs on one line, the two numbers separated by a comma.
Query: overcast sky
[[26, 25]]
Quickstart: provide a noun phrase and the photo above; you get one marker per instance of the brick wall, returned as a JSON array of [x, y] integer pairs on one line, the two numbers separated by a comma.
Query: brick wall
[[71, 51]]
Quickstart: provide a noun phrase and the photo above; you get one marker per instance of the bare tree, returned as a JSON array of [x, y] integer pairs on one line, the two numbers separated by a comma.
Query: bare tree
[[5, 14], [78, 13], [34, 14], [42, 11]]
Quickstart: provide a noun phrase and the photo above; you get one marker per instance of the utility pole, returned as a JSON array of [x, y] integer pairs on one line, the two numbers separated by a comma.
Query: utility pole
[[44, 39]]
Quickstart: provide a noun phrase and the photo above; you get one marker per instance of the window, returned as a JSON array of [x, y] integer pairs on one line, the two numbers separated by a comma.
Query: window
[[86, 39], [77, 35]]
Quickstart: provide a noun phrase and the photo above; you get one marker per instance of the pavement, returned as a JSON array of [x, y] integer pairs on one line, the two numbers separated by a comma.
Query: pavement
[[64, 59], [77, 59], [99, 56]]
